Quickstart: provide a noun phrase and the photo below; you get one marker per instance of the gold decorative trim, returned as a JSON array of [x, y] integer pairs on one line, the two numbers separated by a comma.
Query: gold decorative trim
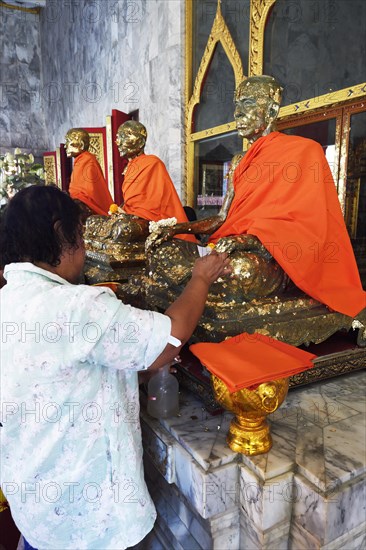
[[349, 110], [188, 50], [352, 205], [19, 8], [50, 170], [58, 163], [187, 194], [215, 131], [331, 98], [219, 33], [331, 365], [259, 10], [110, 155], [96, 147]]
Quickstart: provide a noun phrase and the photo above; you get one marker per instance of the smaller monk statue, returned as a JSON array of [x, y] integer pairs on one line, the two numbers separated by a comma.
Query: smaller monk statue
[[148, 194], [148, 191], [87, 185]]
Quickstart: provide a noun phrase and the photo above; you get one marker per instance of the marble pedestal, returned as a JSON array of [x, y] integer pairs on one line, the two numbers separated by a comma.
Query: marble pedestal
[[307, 492]]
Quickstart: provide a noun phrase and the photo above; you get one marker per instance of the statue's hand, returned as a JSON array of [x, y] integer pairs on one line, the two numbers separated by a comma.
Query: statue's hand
[[226, 244], [156, 238], [160, 231], [246, 243]]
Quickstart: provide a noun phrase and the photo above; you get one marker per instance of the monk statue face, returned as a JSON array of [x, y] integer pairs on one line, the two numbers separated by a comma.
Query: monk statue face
[[131, 139], [76, 142], [257, 103]]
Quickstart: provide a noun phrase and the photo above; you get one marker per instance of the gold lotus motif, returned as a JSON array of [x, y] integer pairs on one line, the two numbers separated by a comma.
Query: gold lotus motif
[[249, 431]]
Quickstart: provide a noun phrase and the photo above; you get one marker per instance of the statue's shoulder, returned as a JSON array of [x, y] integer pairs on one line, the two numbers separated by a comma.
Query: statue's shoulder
[[300, 142], [153, 159], [85, 157]]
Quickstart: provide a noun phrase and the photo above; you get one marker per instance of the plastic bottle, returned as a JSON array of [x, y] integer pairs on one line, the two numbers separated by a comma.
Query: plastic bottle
[[163, 394]]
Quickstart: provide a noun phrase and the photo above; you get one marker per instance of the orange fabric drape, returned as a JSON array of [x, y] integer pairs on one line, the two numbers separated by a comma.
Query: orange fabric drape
[[285, 196], [88, 184], [149, 193], [247, 360]]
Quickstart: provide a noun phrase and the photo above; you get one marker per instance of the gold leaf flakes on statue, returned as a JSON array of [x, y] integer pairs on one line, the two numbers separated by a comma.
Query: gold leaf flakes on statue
[[157, 231]]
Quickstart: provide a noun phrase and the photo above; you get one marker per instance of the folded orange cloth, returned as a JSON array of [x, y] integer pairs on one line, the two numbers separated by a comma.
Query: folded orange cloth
[[249, 359]]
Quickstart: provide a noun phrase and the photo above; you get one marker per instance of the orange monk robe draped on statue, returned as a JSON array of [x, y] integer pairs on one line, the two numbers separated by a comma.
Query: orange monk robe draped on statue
[[149, 193], [285, 196], [88, 184]]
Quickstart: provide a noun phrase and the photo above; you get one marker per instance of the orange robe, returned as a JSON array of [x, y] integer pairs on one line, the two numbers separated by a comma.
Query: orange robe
[[285, 196], [149, 193], [247, 360], [88, 184]]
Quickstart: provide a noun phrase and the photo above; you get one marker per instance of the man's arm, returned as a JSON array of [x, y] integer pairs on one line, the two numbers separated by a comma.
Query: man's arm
[[187, 309]]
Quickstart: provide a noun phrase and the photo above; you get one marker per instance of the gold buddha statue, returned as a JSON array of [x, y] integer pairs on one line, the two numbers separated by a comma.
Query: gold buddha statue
[[255, 273], [278, 222], [120, 228], [148, 195], [88, 185], [148, 192]]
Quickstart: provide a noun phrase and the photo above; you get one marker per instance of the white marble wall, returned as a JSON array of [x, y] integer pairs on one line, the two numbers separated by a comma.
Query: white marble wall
[[22, 122], [112, 54]]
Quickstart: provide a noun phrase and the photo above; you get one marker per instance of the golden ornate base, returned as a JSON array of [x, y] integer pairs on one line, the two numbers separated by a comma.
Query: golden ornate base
[[249, 431], [249, 436]]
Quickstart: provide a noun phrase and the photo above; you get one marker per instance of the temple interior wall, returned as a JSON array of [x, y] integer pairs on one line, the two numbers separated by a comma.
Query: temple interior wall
[[22, 121], [78, 60]]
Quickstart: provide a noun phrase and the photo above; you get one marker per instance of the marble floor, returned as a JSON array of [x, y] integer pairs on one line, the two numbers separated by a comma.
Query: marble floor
[[307, 492]]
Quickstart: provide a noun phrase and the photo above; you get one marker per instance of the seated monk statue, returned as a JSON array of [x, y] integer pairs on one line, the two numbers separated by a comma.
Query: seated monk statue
[[148, 192], [280, 221], [87, 184]]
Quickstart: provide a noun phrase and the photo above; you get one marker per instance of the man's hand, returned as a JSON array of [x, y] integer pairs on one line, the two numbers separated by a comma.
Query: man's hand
[[212, 266]]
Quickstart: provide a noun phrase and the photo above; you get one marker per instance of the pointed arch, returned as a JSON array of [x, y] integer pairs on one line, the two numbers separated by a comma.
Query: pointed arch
[[259, 10], [219, 33]]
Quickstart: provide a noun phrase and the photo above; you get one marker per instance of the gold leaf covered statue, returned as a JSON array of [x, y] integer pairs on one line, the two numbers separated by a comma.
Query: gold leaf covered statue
[[280, 220], [87, 185], [149, 195], [148, 192]]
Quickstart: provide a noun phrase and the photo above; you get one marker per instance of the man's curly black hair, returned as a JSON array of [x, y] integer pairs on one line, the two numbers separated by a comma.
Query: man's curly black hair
[[37, 224]]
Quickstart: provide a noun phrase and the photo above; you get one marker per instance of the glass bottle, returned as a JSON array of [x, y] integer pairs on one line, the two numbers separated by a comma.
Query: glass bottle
[[163, 394]]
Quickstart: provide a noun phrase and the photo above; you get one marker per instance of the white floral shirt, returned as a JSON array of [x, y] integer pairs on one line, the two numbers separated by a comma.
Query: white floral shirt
[[71, 453]]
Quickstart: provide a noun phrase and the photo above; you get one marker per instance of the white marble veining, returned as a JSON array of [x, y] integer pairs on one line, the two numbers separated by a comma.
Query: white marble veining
[[112, 54], [211, 492], [255, 539], [201, 434], [22, 122], [159, 445], [266, 504], [331, 516], [307, 492]]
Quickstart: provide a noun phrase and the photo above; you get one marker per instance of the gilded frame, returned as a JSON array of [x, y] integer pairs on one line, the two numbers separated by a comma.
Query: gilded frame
[[259, 11], [97, 147], [219, 33], [348, 111], [50, 168], [35, 10]]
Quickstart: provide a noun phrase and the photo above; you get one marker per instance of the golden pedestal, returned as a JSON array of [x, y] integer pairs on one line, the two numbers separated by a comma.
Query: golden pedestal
[[249, 431]]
